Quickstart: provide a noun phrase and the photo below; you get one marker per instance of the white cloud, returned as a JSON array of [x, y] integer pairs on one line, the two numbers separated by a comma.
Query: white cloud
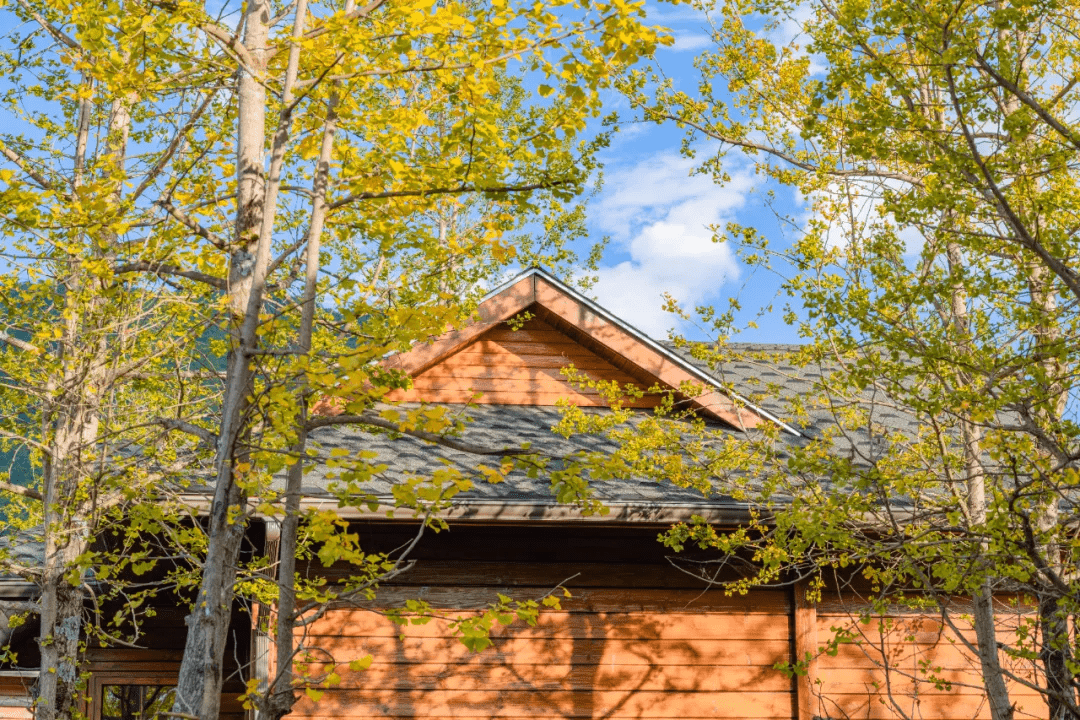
[[660, 215], [686, 42], [855, 210]]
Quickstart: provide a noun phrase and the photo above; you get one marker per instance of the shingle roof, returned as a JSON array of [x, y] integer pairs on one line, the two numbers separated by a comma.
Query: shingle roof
[[494, 427], [769, 375], [766, 374]]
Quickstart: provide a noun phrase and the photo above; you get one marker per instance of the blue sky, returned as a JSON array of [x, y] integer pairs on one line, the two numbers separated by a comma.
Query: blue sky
[[657, 214]]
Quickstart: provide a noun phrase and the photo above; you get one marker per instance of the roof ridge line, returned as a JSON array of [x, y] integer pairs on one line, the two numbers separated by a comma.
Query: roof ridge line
[[641, 337]]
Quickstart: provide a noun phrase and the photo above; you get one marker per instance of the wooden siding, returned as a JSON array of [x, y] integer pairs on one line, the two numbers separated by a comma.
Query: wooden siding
[[637, 639], [14, 686], [899, 662], [15, 697], [520, 367], [685, 656]]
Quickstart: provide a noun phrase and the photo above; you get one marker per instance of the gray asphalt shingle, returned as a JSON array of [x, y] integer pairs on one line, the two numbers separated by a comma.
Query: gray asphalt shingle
[[493, 427]]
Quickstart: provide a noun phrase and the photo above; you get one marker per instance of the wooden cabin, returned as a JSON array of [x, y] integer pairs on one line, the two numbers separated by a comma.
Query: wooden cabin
[[639, 636]]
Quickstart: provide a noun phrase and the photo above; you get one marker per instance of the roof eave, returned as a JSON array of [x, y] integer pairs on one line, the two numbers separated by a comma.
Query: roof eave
[[532, 511]]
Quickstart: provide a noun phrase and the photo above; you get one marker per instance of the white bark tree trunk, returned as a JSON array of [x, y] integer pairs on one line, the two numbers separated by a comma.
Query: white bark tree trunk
[[73, 422], [997, 691], [282, 697], [200, 679]]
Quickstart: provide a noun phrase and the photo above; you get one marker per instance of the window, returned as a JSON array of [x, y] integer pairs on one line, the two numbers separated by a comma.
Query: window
[[125, 696], [135, 702]]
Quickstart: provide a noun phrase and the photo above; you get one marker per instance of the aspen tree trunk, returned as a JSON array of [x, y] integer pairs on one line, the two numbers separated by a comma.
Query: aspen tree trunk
[[198, 691], [997, 692], [281, 692], [983, 598], [62, 601], [1054, 651], [201, 671], [74, 421]]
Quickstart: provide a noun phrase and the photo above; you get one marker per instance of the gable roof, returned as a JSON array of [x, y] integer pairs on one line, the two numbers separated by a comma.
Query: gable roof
[[520, 498], [500, 380], [564, 324]]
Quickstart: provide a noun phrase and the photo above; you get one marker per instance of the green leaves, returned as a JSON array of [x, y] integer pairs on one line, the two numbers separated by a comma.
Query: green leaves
[[935, 147], [130, 247]]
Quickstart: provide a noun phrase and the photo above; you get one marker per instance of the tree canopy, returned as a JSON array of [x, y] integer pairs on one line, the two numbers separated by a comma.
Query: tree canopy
[[214, 213], [933, 277]]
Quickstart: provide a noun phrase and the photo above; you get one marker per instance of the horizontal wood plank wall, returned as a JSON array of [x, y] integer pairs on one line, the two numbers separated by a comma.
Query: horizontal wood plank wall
[[889, 669], [637, 639], [519, 367], [15, 697], [15, 686]]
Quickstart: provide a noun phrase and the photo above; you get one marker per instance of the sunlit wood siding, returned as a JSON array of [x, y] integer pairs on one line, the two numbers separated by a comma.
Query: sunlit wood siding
[[910, 665], [522, 366], [637, 639]]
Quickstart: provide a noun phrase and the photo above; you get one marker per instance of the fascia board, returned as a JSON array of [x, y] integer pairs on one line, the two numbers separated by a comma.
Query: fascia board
[[493, 511]]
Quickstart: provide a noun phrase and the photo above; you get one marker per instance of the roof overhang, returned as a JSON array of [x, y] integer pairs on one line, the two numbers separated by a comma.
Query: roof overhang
[[16, 589], [526, 512]]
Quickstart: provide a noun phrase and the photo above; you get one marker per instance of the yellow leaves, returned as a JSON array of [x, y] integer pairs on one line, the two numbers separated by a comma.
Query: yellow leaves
[[362, 664], [251, 689]]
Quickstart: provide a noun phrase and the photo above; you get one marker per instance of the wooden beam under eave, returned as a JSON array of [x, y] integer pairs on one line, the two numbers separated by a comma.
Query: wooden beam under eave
[[490, 313], [805, 645]]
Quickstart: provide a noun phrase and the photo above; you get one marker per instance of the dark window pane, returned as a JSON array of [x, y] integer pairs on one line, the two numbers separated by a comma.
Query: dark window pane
[[135, 702]]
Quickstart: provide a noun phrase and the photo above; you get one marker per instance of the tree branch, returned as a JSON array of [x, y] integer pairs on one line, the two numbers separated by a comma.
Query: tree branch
[[1028, 100], [231, 44], [14, 606], [445, 191], [56, 33], [354, 15], [19, 344], [159, 268], [20, 490], [1023, 237], [284, 254], [790, 159], [24, 165], [321, 608], [210, 439], [514, 53], [190, 224], [173, 145]]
